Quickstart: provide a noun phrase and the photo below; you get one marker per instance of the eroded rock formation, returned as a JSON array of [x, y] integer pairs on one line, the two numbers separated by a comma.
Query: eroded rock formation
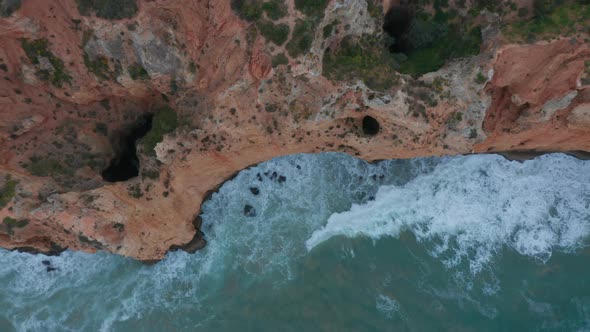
[[239, 100]]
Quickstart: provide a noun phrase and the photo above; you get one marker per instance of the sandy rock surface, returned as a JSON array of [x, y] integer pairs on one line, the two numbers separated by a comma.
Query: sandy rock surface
[[235, 110]]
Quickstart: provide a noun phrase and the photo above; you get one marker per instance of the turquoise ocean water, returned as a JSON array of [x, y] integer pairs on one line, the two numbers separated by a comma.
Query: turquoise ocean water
[[331, 243]]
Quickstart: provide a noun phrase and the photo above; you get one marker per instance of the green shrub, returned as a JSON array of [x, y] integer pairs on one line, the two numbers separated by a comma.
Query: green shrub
[[7, 192], [249, 10], [550, 20], [454, 120], [586, 78], [39, 48], [314, 8], [432, 57], [432, 40], [164, 122], [375, 8], [275, 9], [99, 66], [151, 173], [329, 29], [276, 33], [11, 224], [137, 72], [363, 58], [108, 9], [48, 167], [135, 191], [480, 78], [302, 38], [279, 59]]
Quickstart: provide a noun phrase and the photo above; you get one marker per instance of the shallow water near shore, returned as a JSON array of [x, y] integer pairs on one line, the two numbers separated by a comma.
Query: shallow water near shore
[[331, 243]]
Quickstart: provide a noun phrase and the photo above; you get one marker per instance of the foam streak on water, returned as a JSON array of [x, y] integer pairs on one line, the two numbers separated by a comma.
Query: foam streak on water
[[467, 208], [260, 264]]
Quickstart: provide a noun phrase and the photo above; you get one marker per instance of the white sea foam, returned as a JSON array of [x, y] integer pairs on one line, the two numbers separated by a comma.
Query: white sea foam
[[387, 306], [456, 202], [467, 208]]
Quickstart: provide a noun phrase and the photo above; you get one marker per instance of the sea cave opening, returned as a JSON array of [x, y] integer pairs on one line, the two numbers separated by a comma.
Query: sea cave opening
[[370, 126], [125, 163], [397, 23]]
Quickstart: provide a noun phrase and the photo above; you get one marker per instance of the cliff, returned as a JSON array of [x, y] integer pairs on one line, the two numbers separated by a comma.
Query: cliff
[[219, 86]]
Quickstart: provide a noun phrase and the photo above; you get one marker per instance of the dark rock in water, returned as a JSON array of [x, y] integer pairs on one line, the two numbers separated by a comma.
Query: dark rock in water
[[282, 179], [371, 198], [374, 176], [298, 167], [49, 269], [46, 263], [274, 175], [259, 177], [198, 241], [255, 191], [249, 211]]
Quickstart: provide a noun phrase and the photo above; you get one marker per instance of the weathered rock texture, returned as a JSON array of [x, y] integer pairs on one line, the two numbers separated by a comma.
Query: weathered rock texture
[[236, 110]]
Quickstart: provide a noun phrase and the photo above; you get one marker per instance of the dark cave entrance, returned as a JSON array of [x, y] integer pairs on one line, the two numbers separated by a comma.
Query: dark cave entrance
[[125, 164], [370, 126], [397, 23]]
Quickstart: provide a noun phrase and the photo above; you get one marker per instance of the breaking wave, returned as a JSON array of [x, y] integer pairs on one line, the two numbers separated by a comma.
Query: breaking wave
[[469, 207]]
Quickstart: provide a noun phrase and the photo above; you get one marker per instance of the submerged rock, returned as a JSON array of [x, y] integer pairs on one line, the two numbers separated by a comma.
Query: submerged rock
[[249, 211]]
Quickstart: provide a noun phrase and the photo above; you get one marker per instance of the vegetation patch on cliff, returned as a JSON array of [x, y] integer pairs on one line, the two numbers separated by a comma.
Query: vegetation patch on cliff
[[416, 39], [362, 58], [7, 191], [275, 9], [164, 122], [62, 167], [279, 59], [551, 19], [253, 10], [314, 8], [10, 224], [108, 9], [302, 38], [586, 78], [425, 40], [137, 72], [98, 65], [249, 10], [49, 67], [44, 166], [276, 33]]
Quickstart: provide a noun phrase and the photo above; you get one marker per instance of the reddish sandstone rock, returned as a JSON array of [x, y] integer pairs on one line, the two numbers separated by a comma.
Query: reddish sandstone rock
[[234, 111]]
